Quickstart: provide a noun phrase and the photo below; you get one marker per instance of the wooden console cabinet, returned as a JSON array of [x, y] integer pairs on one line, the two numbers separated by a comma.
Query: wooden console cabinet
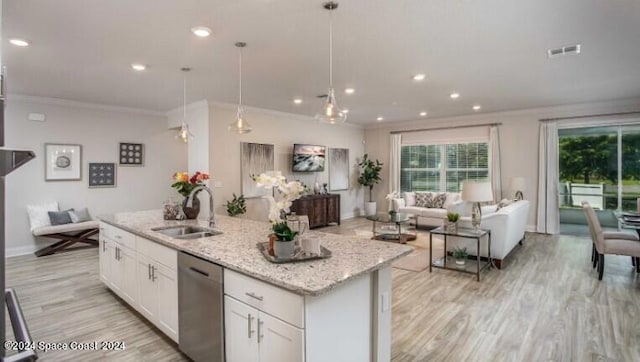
[[321, 209]]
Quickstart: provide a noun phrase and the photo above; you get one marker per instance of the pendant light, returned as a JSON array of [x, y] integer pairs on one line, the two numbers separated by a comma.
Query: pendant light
[[331, 113], [240, 125], [184, 134]]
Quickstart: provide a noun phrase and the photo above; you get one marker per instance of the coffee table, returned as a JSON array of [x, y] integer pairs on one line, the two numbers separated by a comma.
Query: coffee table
[[394, 227]]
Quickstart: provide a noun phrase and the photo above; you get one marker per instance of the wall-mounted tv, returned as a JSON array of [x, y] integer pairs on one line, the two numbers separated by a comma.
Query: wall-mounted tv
[[308, 158]]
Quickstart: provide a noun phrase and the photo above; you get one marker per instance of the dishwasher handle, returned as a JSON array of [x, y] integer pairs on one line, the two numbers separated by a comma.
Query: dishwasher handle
[[199, 271], [20, 330]]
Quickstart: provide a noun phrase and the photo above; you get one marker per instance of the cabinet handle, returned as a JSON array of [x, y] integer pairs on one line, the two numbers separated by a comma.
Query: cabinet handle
[[104, 245], [116, 250], [153, 273], [254, 296], [149, 270], [249, 331], [260, 335]]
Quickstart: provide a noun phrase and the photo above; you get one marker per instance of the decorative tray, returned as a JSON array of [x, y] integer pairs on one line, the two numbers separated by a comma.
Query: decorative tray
[[298, 256]]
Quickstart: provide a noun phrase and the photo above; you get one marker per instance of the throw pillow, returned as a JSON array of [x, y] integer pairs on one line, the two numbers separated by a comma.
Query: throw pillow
[[504, 203], [438, 200], [410, 198], [59, 217], [452, 198], [423, 199], [38, 214], [79, 215]]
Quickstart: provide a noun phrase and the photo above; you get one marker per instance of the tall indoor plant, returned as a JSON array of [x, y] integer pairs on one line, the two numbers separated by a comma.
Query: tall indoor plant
[[369, 176]]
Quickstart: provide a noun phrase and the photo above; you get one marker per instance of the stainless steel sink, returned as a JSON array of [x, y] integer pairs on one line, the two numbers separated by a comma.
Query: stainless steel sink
[[198, 235], [186, 231]]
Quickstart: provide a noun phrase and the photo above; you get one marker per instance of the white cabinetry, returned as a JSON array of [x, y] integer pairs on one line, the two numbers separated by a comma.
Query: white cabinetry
[[144, 274], [252, 333]]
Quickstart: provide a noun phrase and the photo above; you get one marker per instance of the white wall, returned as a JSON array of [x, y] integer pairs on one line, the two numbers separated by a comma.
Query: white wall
[[518, 136], [281, 130], [98, 129], [198, 147]]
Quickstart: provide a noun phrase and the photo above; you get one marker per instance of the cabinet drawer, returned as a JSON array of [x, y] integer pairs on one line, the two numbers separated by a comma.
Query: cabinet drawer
[[122, 237], [268, 298], [160, 253]]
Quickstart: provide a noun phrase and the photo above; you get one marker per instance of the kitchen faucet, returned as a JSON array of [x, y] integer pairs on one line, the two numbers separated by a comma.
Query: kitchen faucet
[[212, 219]]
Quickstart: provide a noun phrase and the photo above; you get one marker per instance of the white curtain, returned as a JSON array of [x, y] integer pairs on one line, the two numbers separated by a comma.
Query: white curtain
[[394, 162], [548, 213], [494, 158]]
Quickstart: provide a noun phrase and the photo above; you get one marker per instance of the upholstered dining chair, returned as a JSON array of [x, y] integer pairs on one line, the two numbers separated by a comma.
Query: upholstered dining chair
[[604, 245]]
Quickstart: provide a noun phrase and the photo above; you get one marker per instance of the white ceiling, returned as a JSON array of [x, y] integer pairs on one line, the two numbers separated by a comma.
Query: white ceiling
[[492, 52]]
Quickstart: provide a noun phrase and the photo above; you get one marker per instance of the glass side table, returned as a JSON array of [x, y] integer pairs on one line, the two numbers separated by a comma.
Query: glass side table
[[394, 227], [448, 262]]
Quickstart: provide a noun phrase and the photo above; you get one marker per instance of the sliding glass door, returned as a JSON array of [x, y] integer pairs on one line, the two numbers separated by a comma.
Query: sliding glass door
[[600, 165]]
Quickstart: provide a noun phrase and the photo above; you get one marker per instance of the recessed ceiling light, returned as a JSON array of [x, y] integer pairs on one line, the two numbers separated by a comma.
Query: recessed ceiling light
[[419, 77], [139, 67], [477, 107], [201, 31], [297, 100], [19, 42], [454, 95], [345, 111], [349, 90], [380, 119], [423, 114]]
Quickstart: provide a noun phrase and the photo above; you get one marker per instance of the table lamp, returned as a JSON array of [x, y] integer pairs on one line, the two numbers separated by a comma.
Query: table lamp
[[518, 184], [476, 192]]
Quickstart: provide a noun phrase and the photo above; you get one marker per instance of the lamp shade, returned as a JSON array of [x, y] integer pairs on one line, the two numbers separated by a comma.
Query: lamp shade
[[476, 191], [518, 184]]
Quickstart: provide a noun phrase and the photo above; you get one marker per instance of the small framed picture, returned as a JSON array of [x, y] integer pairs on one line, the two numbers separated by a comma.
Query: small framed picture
[[63, 162], [102, 174], [131, 154]]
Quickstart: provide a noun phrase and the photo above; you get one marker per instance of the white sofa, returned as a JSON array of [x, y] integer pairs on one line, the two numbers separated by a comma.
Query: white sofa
[[507, 227], [430, 216]]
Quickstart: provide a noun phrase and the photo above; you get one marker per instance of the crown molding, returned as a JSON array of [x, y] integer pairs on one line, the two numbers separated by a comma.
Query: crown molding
[[84, 105]]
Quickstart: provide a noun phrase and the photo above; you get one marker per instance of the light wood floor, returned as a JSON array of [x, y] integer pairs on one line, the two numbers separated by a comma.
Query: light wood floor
[[546, 305]]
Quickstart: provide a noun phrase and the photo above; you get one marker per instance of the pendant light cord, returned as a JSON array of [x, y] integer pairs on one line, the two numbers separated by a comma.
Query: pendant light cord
[[184, 100], [331, 48], [240, 66]]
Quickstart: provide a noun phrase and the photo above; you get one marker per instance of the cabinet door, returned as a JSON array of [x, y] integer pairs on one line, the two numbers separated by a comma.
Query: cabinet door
[[116, 269], [105, 261], [240, 322], [166, 281], [129, 285], [319, 215], [333, 209], [279, 341], [147, 291]]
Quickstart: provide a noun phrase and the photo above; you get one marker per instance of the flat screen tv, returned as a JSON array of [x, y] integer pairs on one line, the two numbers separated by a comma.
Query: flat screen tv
[[308, 158]]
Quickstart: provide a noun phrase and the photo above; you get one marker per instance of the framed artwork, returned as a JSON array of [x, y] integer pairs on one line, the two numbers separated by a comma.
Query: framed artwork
[[255, 158], [338, 169], [102, 174], [131, 154], [63, 162]]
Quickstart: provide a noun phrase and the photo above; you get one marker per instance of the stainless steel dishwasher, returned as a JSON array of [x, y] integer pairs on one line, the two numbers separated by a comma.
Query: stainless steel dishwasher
[[200, 309]]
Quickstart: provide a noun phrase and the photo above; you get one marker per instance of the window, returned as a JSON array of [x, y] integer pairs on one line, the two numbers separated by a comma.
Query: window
[[442, 167]]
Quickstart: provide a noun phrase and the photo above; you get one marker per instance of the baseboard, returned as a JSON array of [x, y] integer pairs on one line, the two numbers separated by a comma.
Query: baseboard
[[530, 228], [20, 250], [347, 216]]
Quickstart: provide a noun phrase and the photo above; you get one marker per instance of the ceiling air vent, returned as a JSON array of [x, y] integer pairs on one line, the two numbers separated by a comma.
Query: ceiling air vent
[[571, 49]]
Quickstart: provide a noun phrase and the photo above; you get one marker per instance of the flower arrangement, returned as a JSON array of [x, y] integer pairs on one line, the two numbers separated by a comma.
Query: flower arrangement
[[287, 193], [390, 197], [185, 184]]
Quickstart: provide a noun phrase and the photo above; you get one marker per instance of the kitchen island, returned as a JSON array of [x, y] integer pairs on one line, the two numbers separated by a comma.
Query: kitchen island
[[336, 309]]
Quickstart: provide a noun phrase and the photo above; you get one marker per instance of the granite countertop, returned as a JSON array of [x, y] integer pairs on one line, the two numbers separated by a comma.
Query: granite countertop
[[236, 249]]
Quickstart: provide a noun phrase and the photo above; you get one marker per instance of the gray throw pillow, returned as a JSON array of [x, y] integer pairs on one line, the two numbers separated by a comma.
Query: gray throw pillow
[[80, 215], [60, 217]]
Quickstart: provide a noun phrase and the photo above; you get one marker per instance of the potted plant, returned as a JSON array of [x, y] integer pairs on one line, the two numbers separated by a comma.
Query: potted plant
[[282, 238], [236, 206], [369, 176], [452, 221], [460, 254]]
